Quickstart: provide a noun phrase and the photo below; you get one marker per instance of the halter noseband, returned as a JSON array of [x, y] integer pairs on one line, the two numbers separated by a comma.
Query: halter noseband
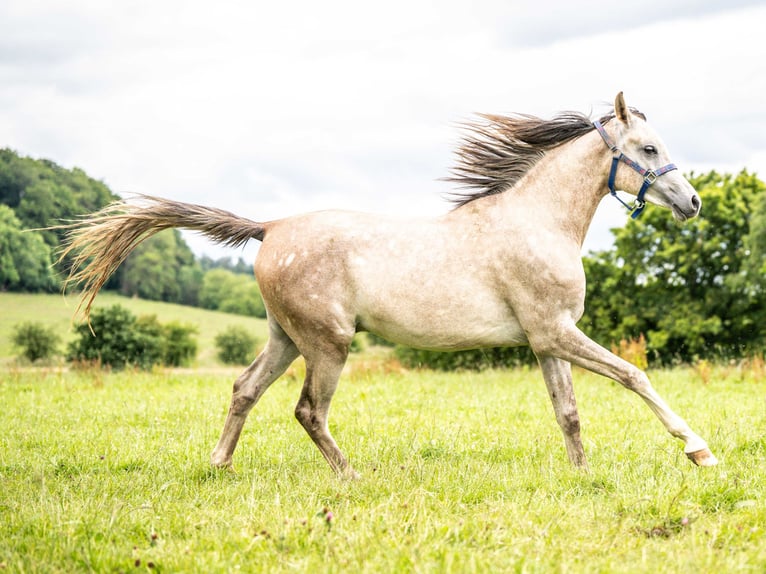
[[649, 175]]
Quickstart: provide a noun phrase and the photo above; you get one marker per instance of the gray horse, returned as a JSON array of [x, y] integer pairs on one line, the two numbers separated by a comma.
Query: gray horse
[[501, 269]]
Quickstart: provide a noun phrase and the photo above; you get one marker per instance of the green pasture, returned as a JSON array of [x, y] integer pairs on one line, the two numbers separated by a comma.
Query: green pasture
[[57, 311], [462, 472]]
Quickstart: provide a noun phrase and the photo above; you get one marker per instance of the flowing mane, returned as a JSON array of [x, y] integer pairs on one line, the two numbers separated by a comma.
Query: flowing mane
[[494, 154]]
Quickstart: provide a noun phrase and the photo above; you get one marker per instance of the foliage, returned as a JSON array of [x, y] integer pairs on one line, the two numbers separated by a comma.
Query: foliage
[[474, 360], [226, 291], [379, 341], [38, 193], [236, 346], [755, 248], [690, 288], [120, 339], [633, 351], [240, 266], [42, 193], [35, 340], [25, 259], [180, 347], [117, 340], [162, 268], [460, 473], [56, 311]]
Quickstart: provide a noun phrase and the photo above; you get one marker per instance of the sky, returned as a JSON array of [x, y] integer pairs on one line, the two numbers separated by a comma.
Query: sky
[[269, 109]]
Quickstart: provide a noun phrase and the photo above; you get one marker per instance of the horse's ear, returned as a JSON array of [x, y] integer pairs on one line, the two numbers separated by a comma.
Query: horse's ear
[[621, 110]]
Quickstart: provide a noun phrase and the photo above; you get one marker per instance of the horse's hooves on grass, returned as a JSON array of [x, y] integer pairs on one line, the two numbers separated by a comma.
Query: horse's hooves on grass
[[349, 474], [228, 467], [702, 457]]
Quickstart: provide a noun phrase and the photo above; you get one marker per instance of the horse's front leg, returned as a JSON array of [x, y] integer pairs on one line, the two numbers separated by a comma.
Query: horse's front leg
[[558, 379], [567, 342]]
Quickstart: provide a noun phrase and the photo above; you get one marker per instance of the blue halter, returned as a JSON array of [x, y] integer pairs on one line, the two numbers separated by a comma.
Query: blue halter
[[649, 175]]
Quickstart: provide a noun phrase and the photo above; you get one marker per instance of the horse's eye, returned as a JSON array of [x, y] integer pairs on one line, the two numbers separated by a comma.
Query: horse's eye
[[650, 150]]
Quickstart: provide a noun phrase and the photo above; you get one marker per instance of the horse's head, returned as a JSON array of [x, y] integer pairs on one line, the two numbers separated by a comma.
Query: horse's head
[[654, 178]]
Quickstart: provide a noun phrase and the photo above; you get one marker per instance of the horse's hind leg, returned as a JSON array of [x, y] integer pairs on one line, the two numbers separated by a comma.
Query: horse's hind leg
[[322, 374], [279, 352], [558, 379]]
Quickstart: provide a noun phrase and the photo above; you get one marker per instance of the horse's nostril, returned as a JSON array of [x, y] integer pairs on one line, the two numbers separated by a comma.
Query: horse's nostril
[[696, 202]]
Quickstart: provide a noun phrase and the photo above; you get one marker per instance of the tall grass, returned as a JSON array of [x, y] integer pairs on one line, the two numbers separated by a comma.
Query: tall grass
[[461, 473]]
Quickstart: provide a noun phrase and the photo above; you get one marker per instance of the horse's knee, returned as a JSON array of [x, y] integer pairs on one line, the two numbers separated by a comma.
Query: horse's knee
[[242, 400], [569, 421], [637, 381], [305, 415]]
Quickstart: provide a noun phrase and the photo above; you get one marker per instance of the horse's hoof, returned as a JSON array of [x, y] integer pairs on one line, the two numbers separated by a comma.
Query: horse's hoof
[[702, 457], [221, 463], [350, 474]]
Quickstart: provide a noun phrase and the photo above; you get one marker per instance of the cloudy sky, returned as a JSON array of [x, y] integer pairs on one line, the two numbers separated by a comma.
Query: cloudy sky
[[272, 108]]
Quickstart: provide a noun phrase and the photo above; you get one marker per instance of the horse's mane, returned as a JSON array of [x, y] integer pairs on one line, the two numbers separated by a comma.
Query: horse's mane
[[495, 153]]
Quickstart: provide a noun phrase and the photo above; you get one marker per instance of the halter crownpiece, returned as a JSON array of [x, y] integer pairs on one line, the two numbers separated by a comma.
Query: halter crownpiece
[[649, 175]]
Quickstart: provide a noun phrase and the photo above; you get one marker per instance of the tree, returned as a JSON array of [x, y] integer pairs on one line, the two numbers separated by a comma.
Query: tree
[[226, 291], [15, 176], [159, 267], [42, 194], [755, 245], [25, 259], [684, 286]]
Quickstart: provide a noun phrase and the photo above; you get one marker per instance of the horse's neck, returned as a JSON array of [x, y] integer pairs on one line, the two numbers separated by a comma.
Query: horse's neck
[[567, 185]]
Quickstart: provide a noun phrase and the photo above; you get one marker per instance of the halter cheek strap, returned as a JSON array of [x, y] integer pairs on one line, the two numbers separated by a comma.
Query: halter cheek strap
[[649, 175]]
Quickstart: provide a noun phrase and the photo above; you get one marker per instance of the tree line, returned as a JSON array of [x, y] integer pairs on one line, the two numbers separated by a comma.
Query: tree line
[[690, 291], [38, 193]]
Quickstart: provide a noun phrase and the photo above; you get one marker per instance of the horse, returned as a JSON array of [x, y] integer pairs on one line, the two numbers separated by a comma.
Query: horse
[[502, 268]]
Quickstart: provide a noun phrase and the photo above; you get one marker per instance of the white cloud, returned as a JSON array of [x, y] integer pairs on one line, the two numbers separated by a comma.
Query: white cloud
[[269, 109]]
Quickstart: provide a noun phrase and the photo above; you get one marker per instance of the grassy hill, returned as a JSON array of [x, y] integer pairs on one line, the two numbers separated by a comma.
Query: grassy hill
[[58, 311]]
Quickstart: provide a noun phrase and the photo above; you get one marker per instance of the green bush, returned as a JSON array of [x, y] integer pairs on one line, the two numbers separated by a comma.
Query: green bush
[[236, 346], [472, 360], [180, 346], [122, 340], [35, 341]]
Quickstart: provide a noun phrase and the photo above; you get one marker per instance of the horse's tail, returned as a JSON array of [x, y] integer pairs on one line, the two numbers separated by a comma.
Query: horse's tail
[[101, 241]]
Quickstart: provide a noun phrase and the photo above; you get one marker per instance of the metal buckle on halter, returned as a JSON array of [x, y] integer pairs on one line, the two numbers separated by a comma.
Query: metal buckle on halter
[[650, 177], [638, 204]]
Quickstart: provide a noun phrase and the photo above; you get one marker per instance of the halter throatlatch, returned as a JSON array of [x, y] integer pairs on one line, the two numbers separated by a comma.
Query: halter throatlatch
[[649, 175]]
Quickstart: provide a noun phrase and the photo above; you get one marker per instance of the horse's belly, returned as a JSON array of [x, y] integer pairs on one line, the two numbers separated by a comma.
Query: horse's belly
[[447, 327]]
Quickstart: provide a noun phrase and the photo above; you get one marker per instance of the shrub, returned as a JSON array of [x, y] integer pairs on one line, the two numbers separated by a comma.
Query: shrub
[[471, 360], [180, 346], [35, 341], [236, 346], [121, 340], [633, 351], [358, 343]]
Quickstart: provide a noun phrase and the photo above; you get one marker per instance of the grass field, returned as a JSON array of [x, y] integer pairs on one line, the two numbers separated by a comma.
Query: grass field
[[57, 311], [462, 472]]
